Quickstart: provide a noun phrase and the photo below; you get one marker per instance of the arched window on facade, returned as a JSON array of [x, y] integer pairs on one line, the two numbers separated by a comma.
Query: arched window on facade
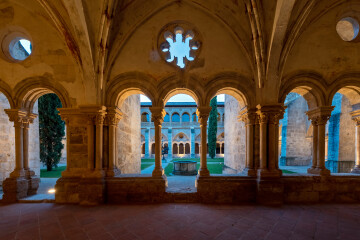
[[223, 117], [175, 117], [223, 148], [197, 148], [167, 118], [181, 148], [145, 117], [194, 117], [153, 148], [185, 117], [219, 117], [217, 148], [175, 148], [187, 148], [143, 148]]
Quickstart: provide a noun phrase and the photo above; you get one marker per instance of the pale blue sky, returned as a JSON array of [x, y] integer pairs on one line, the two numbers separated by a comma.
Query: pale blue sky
[[182, 98], [26, 44]]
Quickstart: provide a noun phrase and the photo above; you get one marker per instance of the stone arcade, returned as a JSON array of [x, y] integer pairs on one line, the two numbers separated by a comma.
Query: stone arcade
[[96, 54]]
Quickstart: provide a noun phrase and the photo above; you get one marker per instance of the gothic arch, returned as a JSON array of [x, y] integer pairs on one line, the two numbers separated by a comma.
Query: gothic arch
[[311, 86], [185, 137], [231, 83], [30, 89], [126, 84], [348, 85]]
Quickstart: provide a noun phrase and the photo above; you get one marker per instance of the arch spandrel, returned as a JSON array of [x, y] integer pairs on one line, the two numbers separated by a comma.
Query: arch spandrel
[[348, 85]]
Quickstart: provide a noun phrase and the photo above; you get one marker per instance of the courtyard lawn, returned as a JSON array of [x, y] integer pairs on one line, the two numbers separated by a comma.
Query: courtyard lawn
[[55, 173], [213, 167], [198, 159], [287, 171], [147, 160], [146, 165]]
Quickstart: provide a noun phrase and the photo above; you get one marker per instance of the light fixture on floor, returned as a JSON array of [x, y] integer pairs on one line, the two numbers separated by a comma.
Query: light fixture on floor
[[52, 190]]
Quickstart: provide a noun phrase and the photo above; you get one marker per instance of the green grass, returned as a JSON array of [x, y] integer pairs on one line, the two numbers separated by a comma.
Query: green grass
[[147, 160], [145, 165], [287, 171], [55, 173]]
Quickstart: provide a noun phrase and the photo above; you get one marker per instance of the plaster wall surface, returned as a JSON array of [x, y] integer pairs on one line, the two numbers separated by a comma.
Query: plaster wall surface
[[128, 137], [234, 132]]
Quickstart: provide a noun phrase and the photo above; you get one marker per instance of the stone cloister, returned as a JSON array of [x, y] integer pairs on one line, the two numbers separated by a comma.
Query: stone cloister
[[96, 56]]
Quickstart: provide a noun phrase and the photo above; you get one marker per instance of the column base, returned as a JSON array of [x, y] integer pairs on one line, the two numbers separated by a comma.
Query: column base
[[33, 184], [266, 173], [319, 171], [158, 172], [203, 172], [67, 190], [112, 172], [92, 191], [249, 172], [14, 189], [356, 169], [18, 173]]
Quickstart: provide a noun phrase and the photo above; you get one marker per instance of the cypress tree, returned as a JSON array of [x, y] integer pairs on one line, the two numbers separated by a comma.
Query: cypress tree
[[212, 128], [51, 129]]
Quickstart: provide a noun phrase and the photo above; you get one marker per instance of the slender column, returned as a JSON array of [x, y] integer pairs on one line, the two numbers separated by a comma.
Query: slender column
[[157, 115], [192, 142], [203, 115], [29, 119], [90, 143], [18, 117], [114, 115], [99, 142], [147, 137], [170, 143], [356, 117], [249, 118], [315, 145], [319, 118], [269, 125]]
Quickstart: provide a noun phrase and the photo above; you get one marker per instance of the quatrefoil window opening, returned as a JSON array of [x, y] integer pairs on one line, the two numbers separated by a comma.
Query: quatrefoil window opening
[[179, 46]]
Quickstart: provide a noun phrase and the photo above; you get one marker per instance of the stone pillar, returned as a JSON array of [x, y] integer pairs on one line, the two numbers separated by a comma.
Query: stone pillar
[[319, 118], [356, 117], [157, 116], [249, 118], [147, 139], [192, 151], [16, 186], [269, 128], [170, 143], [203, 115], [113, 117]]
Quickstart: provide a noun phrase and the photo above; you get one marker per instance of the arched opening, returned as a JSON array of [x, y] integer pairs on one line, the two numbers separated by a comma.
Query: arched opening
[[295, 145], [153, 149], [187, 148], [194, 117], [145, 117], [185, 117], [197, 148], [167, 118], [175, 149], [181, 149], [175, 117], [341, 131]]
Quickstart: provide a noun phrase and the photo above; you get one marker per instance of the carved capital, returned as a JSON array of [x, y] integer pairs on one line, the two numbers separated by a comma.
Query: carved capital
[[248, 116], [113, 116], [203, 114], [320, 115], [355, 116], [157, 115], [17, 116], [270, 114]]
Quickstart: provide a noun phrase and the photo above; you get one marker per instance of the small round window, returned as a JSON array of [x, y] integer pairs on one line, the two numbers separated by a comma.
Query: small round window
[[347, 28], [20, 49]]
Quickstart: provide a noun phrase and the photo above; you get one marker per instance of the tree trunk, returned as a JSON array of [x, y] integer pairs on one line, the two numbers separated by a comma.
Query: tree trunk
[[48, 167]]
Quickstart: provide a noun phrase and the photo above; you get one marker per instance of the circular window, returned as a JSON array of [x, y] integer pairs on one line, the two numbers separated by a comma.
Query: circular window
[[348, 29], [20, 49]]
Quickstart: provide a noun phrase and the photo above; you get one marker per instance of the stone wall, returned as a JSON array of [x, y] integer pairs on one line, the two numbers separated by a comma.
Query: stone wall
[[34, 143], [128, 137], [7, 141], [296, 147], [234, 136]]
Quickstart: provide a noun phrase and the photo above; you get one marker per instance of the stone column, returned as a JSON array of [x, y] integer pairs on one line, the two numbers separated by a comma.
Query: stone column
[[356, 117], [147, 138], [90, 142], [99, 142], [192, 151], [203, 115], [319, 118], [157, 116], [170, 143], [113, 117], [29, 119], [249, 118], [269, 127]]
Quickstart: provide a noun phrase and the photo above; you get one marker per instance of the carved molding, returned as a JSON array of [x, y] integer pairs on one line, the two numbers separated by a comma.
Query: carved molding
[[320, 115], [270, 114]]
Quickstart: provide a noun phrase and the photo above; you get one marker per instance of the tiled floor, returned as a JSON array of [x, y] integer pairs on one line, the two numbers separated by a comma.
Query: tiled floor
[[179, 221]]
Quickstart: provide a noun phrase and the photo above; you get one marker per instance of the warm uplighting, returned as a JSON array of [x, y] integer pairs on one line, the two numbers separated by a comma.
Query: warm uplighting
[[52, 190]]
